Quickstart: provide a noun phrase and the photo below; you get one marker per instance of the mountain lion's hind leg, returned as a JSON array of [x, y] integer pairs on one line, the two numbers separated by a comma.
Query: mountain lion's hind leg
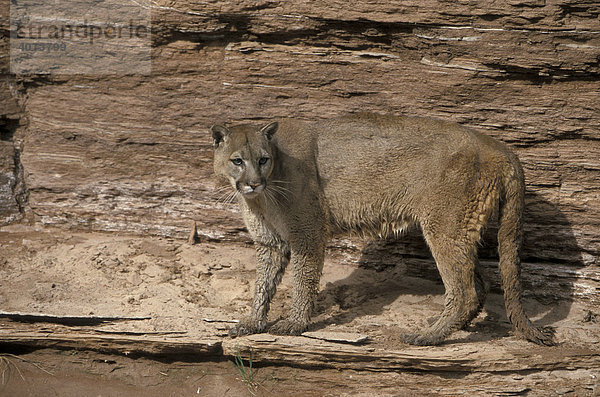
[[482, 287], [456, 263]]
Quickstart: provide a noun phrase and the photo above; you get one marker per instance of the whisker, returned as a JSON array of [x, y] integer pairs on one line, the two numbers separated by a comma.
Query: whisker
[[267, 196], [224, 196], [270, 197], [273, 192], [275, 183], [222, 188], [280, 191], [228, 197], [279, 183], [232, 197], [221, 192]]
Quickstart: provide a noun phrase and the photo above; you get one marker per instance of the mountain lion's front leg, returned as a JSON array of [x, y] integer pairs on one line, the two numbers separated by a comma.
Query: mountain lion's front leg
[[271, 263], [307, 264]]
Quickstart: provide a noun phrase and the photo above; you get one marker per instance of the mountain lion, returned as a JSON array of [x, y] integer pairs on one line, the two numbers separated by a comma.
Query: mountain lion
[[298, 184]]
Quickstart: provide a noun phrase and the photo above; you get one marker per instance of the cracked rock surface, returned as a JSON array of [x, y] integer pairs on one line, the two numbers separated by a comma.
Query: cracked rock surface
[[132, 153]]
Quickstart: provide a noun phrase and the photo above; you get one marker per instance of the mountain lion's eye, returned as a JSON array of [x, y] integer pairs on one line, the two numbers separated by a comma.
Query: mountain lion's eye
[[237, 162], [263, 160]]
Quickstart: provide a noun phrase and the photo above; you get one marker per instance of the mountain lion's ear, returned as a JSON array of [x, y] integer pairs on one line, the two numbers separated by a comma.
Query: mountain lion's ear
[[219, 133], [269, 129]]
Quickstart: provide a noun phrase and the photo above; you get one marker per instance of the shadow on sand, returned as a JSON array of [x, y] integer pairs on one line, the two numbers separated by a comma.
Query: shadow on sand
[[389, 269]]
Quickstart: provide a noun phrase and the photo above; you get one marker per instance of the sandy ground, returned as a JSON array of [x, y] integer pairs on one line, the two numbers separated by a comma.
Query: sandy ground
[[178, 285]]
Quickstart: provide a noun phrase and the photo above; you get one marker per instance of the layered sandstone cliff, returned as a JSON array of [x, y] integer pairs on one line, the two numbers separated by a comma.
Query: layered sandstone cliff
[[132, 152]]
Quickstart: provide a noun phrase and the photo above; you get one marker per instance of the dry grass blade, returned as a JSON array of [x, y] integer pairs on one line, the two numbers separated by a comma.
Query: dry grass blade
[[247, 374], [6, 366]]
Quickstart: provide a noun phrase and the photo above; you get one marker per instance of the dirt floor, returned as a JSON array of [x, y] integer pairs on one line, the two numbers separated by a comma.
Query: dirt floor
[[189, 295]]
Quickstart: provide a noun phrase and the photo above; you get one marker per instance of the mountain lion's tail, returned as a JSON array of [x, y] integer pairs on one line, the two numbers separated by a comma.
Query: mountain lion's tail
[[510, 236]]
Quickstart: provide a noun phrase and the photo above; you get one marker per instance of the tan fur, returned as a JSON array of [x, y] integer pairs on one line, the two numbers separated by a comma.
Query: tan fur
[[375, 176]]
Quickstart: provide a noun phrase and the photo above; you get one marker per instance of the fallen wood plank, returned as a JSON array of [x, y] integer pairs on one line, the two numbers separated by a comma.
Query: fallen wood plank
[[66, 320], [114, 344], [480, 357], [476, 357]]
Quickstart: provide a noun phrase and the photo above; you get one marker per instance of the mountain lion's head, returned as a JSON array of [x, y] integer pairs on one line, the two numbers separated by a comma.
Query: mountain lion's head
[[244, 156]]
